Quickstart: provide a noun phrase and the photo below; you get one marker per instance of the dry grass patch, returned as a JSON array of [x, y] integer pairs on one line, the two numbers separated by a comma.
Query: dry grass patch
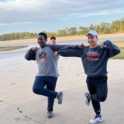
[[8, 48]]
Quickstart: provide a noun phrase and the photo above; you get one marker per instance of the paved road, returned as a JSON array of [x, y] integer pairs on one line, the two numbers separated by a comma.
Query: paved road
[[21, 106], [16, 57]]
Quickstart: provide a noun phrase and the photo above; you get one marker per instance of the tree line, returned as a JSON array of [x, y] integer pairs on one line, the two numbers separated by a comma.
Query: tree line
[[15, 36], [102, 28]]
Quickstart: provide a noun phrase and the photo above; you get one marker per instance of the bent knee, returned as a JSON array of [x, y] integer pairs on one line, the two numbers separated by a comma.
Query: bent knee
[[102, 98], [36, 90]]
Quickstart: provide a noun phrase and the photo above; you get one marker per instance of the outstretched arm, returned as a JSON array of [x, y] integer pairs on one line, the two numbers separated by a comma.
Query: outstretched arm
[[70, 53], [63, 47]]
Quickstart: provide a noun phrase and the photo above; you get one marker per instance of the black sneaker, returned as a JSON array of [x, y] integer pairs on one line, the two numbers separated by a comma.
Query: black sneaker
[[87, 101], [60, 97], [50, 114]]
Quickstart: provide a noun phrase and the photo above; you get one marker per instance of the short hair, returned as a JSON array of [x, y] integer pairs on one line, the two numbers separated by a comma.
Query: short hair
[[52, 38], [44, 34]]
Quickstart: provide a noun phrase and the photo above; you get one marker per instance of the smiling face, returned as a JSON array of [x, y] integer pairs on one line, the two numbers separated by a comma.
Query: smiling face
[[92, 40], [41, 41]]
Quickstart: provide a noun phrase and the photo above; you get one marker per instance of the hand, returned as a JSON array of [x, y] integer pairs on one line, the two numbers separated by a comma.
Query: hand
[[102, 45], [35, 49], [81, 46], [55, 53]]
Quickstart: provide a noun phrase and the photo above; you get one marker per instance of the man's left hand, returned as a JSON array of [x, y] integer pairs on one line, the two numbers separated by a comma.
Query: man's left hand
[[81, 46], [102, 45]]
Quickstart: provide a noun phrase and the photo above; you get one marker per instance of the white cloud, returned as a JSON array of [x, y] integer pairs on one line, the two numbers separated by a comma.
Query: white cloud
[[114, 12], [24, 11]]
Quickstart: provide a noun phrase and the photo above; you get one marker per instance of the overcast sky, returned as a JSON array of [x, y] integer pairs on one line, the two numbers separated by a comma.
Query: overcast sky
[[52, 15]]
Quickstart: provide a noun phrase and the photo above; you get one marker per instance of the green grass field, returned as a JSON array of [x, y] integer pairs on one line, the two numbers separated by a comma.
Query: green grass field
[[8, 48]]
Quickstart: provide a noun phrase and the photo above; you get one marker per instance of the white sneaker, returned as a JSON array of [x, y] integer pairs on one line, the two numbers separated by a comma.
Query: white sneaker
[[95, 120]]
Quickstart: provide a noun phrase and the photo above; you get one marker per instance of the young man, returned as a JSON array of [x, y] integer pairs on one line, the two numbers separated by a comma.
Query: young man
[[47, 69], [52, 40], [94, 58]]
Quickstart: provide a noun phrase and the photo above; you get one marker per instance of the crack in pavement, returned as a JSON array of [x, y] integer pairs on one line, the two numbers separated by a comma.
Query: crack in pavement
[[11, 84], [14, 83], [79, 73], [20, 111]]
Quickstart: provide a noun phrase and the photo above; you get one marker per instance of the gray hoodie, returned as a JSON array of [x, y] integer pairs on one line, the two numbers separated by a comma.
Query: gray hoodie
[[46, 61]]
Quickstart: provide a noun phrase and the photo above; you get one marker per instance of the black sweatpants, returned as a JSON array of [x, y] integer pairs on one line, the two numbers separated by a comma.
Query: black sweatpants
[[97, 87]]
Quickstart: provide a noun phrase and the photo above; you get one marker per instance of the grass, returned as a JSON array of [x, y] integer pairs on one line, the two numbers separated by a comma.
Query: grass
[[8, 48], [121, 55], [118, 41], [19, 110], [120, 44]]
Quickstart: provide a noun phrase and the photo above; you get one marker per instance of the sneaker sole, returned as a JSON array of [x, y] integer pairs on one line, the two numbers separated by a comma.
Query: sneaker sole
[[50, 116], [96, 122], [101, 120]]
